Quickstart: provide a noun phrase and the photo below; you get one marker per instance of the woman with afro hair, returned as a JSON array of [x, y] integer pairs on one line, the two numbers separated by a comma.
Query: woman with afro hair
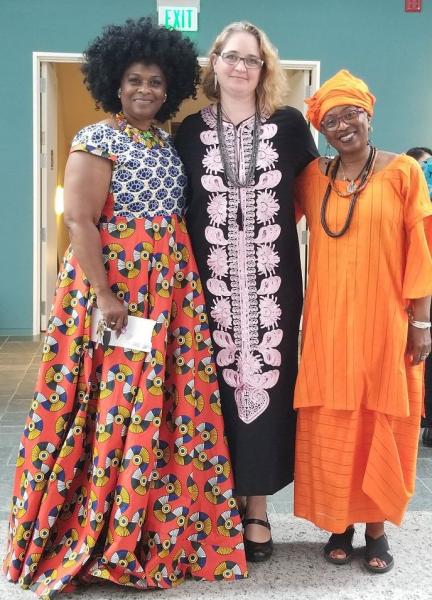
[[123, 471]]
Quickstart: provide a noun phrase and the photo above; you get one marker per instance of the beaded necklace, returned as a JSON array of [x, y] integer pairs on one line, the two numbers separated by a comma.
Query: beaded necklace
[[364, 176], [150, 137]]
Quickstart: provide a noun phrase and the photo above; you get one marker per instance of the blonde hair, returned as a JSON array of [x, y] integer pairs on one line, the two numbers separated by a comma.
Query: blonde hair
[[272, 85]]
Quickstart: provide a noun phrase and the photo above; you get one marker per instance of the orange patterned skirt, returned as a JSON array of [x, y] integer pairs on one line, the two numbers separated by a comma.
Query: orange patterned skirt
[[123, 471]]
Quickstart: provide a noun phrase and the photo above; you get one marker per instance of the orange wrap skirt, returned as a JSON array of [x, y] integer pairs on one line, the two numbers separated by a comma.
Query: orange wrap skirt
[[356, 466]]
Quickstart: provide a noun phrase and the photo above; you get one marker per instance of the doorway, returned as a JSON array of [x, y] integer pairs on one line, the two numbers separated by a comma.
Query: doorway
[[61, 107]]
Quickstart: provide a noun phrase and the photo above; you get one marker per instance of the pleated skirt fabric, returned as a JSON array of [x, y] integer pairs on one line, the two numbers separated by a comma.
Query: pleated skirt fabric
[[356, 466]]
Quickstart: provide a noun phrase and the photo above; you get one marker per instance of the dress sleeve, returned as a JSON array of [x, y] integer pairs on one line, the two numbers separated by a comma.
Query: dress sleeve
[[418, 224], [298, 204], [97, 139], [184, 147], [306, 148]]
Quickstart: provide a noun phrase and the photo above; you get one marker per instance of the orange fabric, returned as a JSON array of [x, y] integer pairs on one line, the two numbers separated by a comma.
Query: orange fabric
[[356, 466], [342, 88], [355, 320]]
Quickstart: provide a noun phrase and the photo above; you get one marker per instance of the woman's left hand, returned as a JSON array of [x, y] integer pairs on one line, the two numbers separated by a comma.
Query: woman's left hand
[[418, 344]]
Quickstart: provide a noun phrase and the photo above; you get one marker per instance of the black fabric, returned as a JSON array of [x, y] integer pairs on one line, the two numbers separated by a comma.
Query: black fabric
[[262, 452]]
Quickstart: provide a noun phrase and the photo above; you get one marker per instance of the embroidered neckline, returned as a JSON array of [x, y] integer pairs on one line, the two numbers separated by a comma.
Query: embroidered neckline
[[151, 138], [210, 118]]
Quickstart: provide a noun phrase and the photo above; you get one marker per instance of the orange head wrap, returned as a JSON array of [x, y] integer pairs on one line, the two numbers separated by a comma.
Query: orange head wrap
[[342, 88]]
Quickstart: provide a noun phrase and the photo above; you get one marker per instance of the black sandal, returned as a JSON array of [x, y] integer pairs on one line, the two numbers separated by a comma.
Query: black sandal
[[340, 541], [378, 548], [257, 551]]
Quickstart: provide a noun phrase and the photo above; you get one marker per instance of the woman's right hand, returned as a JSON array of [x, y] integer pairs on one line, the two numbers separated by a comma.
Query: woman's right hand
[[113, 310]]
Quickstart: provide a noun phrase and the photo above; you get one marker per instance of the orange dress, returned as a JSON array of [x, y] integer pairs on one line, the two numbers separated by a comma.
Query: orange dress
[[358, 399]]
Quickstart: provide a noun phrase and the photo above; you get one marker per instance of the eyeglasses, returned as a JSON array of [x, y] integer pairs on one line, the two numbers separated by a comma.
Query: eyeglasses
[[348, 116], [233, 59]]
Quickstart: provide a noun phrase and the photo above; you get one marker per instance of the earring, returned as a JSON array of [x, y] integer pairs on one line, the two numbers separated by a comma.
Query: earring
[[119, 92], [215, 81], [328, 153], [165, 97]]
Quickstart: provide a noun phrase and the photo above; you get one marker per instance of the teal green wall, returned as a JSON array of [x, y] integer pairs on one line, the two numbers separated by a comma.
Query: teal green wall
[[375, 39]]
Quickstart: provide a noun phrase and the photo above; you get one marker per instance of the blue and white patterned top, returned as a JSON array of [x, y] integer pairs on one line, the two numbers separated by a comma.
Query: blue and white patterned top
[[146, 182]]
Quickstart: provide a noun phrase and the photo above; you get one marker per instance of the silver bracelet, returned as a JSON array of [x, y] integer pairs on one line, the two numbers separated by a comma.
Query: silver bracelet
[[419, 324]]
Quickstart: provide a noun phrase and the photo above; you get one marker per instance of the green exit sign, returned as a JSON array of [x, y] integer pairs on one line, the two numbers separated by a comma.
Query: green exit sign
[[179, 17]]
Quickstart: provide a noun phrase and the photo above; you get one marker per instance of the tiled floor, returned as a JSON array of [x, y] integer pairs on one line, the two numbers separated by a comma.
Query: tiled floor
[[19, 361], [297, 568]]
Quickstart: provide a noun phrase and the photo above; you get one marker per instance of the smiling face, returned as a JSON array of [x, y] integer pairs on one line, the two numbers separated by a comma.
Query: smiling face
[[143, 91], [237, 80], [348, 137]]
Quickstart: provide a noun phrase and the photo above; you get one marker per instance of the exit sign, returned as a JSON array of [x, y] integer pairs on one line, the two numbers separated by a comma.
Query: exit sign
[[179, 17]]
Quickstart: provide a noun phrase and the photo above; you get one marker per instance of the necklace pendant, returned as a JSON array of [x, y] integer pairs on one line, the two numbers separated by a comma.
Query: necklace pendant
[[351, 188]]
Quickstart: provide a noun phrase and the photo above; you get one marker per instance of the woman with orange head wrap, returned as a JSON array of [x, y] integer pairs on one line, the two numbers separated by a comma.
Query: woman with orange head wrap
[[365, 328]]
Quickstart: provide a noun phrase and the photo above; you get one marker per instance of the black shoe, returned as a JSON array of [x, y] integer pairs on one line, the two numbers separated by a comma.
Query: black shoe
[[427, 437], [340, 541], [257, 551], [377, 548]]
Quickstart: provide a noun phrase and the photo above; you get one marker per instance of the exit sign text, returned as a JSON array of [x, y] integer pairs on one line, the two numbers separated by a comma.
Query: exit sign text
[[179, 17]]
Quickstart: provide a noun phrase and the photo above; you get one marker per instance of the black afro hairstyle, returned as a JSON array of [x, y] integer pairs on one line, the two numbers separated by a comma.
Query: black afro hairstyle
[[119, 46]]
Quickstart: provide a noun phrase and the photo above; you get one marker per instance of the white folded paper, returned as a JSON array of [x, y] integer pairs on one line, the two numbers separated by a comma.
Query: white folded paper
[[136, 336]]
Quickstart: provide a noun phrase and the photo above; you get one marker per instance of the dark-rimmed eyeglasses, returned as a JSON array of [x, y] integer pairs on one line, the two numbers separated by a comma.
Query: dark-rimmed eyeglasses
[[233, 59], [348, 116]]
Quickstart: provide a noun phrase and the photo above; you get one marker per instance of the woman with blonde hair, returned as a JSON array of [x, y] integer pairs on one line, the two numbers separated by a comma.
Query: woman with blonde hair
[[241, 155]]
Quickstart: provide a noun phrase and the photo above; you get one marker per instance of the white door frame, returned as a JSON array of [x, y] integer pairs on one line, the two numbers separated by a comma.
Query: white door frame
[[38, 59], [77, 57]]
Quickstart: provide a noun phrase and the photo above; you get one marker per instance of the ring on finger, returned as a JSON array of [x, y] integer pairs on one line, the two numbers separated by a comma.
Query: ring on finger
[[113, 322]]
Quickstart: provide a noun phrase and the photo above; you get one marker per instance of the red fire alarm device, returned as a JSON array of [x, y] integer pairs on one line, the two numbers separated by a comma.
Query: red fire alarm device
[[413, 5]]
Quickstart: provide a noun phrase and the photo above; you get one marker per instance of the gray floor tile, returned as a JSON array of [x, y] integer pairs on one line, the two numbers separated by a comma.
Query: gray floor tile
[[25, 338], [12, 359], [427, 482], [19, 405], [422, 499], [424, 452], [424, 467], [13, 419]]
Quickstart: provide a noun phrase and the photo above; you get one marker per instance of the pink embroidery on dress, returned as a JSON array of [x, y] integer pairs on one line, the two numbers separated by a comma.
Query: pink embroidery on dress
[[267, 259], [215, 236], [212, 160], [268, 180], [267, 156], [268, 234], [270, 340], [243, 263], [218, 261], [218, 288], [270, 312], [227, 355], [213, 183], [270, 285], [221, 313], [217, 209], [267, 207]]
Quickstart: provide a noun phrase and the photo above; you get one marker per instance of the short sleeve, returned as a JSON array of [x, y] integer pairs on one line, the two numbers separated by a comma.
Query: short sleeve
[[306, 148], [418, 224], [97, 139]]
